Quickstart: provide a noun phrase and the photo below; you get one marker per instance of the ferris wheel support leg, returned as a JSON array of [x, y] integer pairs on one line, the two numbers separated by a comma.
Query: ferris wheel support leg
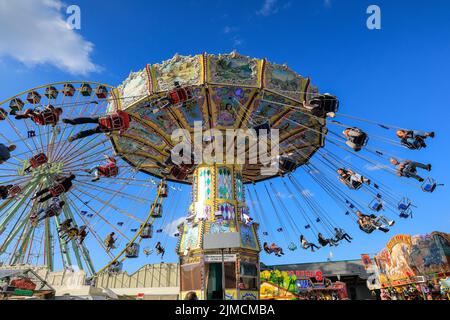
[[68, 214], [48, 246], [25, 240], [63, 246]]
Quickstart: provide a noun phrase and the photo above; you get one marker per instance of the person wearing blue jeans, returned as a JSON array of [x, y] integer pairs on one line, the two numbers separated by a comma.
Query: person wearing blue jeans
[[408, 168], [414, 139]]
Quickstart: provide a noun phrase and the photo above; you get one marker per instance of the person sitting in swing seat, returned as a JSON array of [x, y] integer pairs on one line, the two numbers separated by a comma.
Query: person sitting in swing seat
[[352, 179], [48, 116], [65, 225], [82, 234], [4, 191], [324, 242], [108, 170], [307, 245], [5, 152], [340, 234], [160, 250], [179, 95], [118, 121], [267, 248], [276, 249], [53, 210], [405, 215], [408, 168], [110, 241], [247, 219], [369, 223], [70, 234], [356, 138], [414, 139], [62, 185]]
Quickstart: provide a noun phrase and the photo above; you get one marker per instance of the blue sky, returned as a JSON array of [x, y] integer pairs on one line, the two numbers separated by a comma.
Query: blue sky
[[396, 75]]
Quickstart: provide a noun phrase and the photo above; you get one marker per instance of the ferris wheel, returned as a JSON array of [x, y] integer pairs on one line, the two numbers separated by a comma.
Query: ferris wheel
[[62, 201]]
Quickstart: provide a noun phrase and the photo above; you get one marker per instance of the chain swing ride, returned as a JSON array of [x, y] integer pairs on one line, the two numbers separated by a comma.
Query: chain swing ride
[[79, 162]]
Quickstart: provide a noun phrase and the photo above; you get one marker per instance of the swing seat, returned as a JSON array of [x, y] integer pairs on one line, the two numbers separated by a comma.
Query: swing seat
[[376, 205], [38, 160], [429, 185], [57, 190], [132, 251], [287, 165], [68, 90], [101, 92], [292, 246], [15, 190], [179, 173], [179, 95], [34, 97], [323, 104], [47, 117], [51, 93], [109, 171], [264, 126]]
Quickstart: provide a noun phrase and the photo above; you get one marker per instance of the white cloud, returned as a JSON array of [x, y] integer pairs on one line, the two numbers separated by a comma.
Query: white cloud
[[35, 32], [171, 228], [269, 7], [230, 29], [375, 167]]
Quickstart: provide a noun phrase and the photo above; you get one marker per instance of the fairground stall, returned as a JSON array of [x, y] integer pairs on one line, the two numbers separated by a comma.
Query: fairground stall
[[414, 267], [302, 285]]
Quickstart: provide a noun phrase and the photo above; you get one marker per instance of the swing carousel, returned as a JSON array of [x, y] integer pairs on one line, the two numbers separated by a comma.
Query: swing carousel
[[226, 225]]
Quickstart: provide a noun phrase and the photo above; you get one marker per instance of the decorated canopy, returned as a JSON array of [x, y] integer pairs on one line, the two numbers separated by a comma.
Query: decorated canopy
[[228, 92]]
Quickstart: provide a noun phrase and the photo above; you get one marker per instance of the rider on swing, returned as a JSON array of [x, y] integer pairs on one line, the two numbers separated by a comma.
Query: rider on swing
[[307, 245], [62, 185], [117, 121], [160, 250], [369, 223], [352, 179], [324, 242], [5, 152], [4, 191], [408, 168], [414, 139], [110, 241], [52, 210], [108, 170], [49, 116], [356, 138]]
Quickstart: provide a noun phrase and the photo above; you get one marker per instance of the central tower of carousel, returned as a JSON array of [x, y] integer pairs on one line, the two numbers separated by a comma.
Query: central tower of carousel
[[218, 249]]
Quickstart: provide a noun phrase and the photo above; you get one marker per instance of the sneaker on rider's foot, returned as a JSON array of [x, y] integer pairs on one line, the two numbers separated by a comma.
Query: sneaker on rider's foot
[[432, 134], [429, 167], [391, 223], [421, 180]]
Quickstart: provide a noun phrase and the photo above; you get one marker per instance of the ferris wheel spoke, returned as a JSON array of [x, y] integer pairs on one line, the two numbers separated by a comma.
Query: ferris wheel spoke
[[122, 194], [75, 156], [108, 204], [91, 229], [97, 213], [66, 148]]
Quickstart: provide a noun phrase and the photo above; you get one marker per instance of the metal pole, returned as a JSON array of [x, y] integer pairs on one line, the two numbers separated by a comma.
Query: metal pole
[[223, 275]]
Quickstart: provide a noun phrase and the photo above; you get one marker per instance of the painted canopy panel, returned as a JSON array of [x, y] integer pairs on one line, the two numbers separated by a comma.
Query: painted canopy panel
[[228, 91]]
